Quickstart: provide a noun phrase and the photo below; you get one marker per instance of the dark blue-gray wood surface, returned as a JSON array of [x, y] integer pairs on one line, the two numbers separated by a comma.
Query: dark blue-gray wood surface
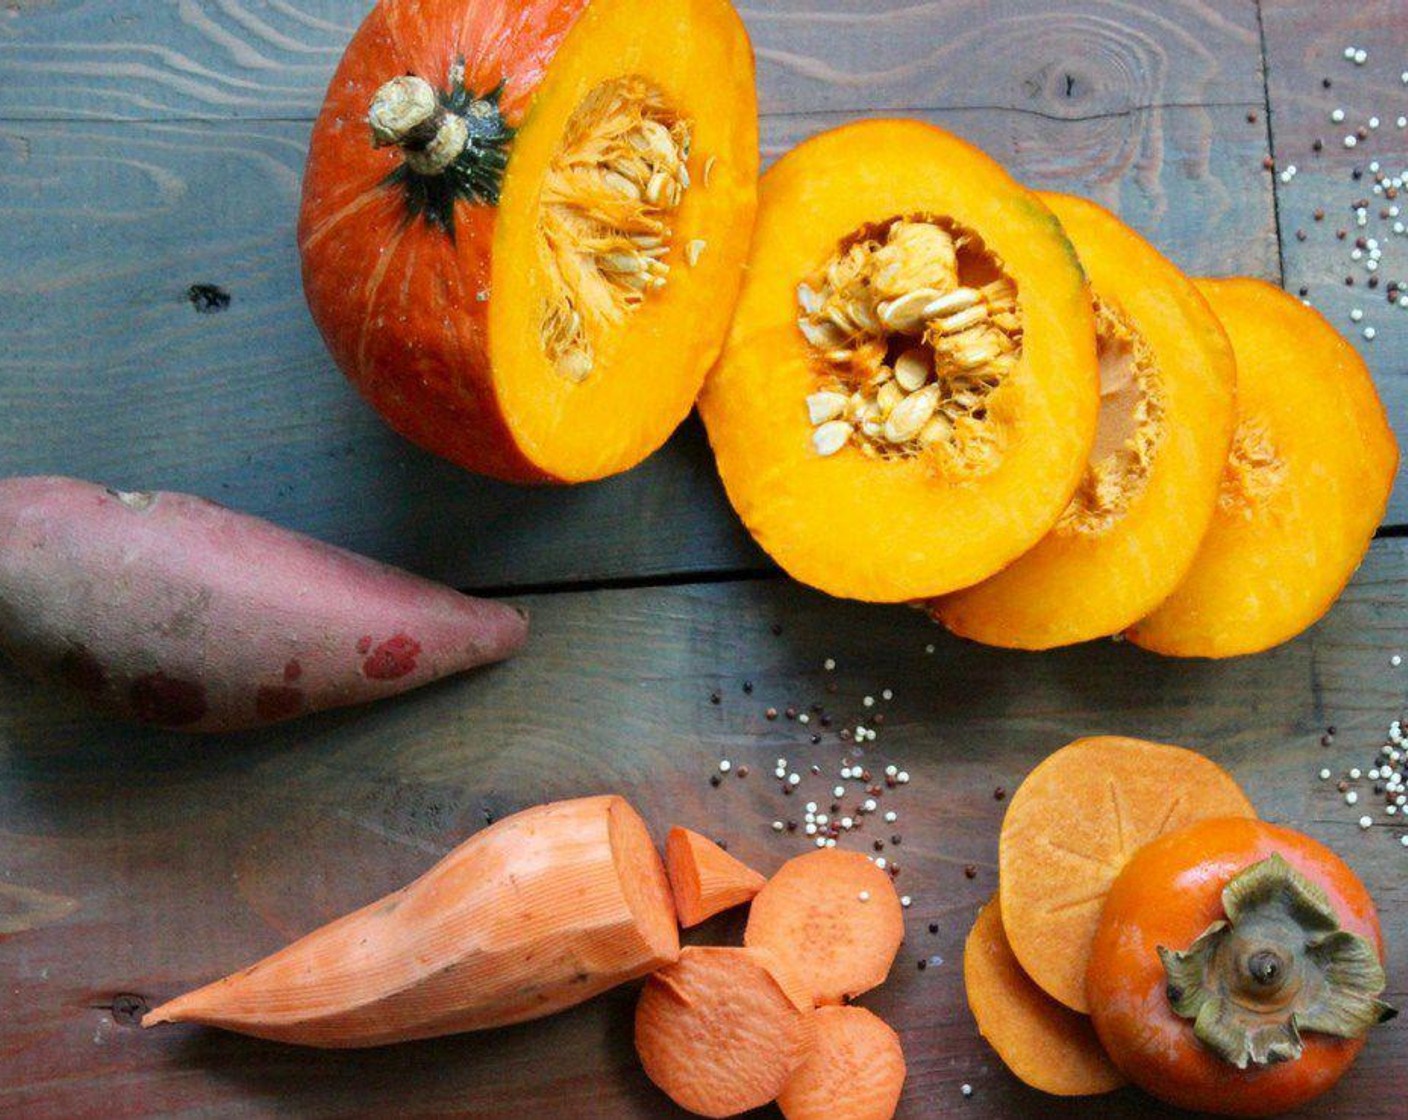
[[147, 146]]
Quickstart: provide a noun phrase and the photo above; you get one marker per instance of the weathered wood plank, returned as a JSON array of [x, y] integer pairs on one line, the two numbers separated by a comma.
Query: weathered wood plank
[[110, 372], [252, 59], [169, 862], [1305, 43]]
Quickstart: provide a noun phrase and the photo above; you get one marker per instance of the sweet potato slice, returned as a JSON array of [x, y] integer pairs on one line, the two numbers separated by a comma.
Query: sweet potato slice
[[722, 1029], [1046, 1044], [704, 878], [855, 1071], [536, 913], [1071, 827], [835, 917]]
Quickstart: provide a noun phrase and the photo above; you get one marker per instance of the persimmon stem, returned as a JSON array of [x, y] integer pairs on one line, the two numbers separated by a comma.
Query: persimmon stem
[[1277, 966]]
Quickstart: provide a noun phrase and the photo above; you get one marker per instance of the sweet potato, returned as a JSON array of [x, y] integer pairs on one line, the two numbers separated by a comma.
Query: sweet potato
[[834, 917], [536, 913], [855, 1071], [705, 879], [721, 1030], [1073, 824], [1045, 1043], [174, 611]]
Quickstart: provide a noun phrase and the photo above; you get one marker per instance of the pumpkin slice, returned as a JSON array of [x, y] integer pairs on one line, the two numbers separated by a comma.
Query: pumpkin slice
[[1307, 483], [1167, 411], [908, 395], [528, 261]]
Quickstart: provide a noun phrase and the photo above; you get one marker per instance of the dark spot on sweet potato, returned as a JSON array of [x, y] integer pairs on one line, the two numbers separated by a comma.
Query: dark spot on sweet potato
[[79, 669], [208, 299], [292, 671], [393, 658], [277, 701], [167, 701], [364, 643]]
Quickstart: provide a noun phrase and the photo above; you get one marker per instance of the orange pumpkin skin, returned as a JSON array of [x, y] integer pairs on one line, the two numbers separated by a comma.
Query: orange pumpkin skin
[[418, 320], [413, 334], [1168, 894]]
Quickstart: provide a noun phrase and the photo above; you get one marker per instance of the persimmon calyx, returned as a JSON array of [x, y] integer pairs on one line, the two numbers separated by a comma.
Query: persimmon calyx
[[1278, 965], [454, 143]]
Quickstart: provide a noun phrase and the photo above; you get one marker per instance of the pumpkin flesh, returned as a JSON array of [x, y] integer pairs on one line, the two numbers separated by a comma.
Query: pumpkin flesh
[[905, 521], [1131, 532], [442, 326], [1306, 484]]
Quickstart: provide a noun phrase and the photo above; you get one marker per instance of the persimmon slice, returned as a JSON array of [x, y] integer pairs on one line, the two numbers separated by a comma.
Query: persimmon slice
[[704, 878], [721, 1030], [1044, 1043], [835, 917], [1307, 483], [908, 393], [1073, 824], [855, 1071], [529, 260], [1167, 411]]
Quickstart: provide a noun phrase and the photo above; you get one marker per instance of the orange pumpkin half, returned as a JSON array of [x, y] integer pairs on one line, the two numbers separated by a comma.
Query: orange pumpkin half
[[1305, 486], [908, 393], [1167, 410], [523, 224]]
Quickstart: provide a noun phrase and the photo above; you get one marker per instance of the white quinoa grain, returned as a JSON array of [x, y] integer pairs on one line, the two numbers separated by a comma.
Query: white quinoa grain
[[1351, 797], [891, 817], [1324, 775], [864, 896], [725, 766], [1365, 822]]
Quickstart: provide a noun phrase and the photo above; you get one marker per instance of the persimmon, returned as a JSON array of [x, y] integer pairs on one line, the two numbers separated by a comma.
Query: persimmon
[[1044, 1043], [1167, 412], [1236, 968], [1073, 824], [1306, 484], [528, 261], [908, 395]]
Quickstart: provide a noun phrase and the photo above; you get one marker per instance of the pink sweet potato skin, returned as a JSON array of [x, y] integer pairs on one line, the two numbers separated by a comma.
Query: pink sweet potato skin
[[174, 611]]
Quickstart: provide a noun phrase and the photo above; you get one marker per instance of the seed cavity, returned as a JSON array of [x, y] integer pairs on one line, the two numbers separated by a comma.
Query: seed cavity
[[1130, 428], [914, 323], [1255, 469], [607, 202]]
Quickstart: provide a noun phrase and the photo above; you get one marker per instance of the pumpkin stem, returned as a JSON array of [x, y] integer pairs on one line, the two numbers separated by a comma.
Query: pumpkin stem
[[1278, 965], [407, 112]]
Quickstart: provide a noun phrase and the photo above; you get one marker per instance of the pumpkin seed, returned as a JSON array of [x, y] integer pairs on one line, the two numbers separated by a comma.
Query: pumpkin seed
[[824, 406], [810, 301], [907, 314], [911, 414], [936, 430], [709, 168], [694, 250], [889, 396], [961, 321], [824, 336], [912, 370], [620, 184], [950, 303], [830, 437], [619, 262]]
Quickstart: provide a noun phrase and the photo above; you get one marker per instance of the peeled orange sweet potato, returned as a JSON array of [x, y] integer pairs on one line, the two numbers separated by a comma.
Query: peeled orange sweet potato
[[722, 1030], [536, 913], [908, 395], [855, 1071], [1046, 1044], [835, 918], [529, 260], [1167, 411], [1073, 824], [704, 878], [1307, 483]]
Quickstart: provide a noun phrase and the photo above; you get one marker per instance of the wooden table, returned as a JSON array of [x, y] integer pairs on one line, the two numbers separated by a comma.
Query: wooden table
[[149, 147]]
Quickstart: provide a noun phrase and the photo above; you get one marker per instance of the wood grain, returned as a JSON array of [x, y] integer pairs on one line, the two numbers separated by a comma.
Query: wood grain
[[179, 164], [183, 860], [1305, 44]]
